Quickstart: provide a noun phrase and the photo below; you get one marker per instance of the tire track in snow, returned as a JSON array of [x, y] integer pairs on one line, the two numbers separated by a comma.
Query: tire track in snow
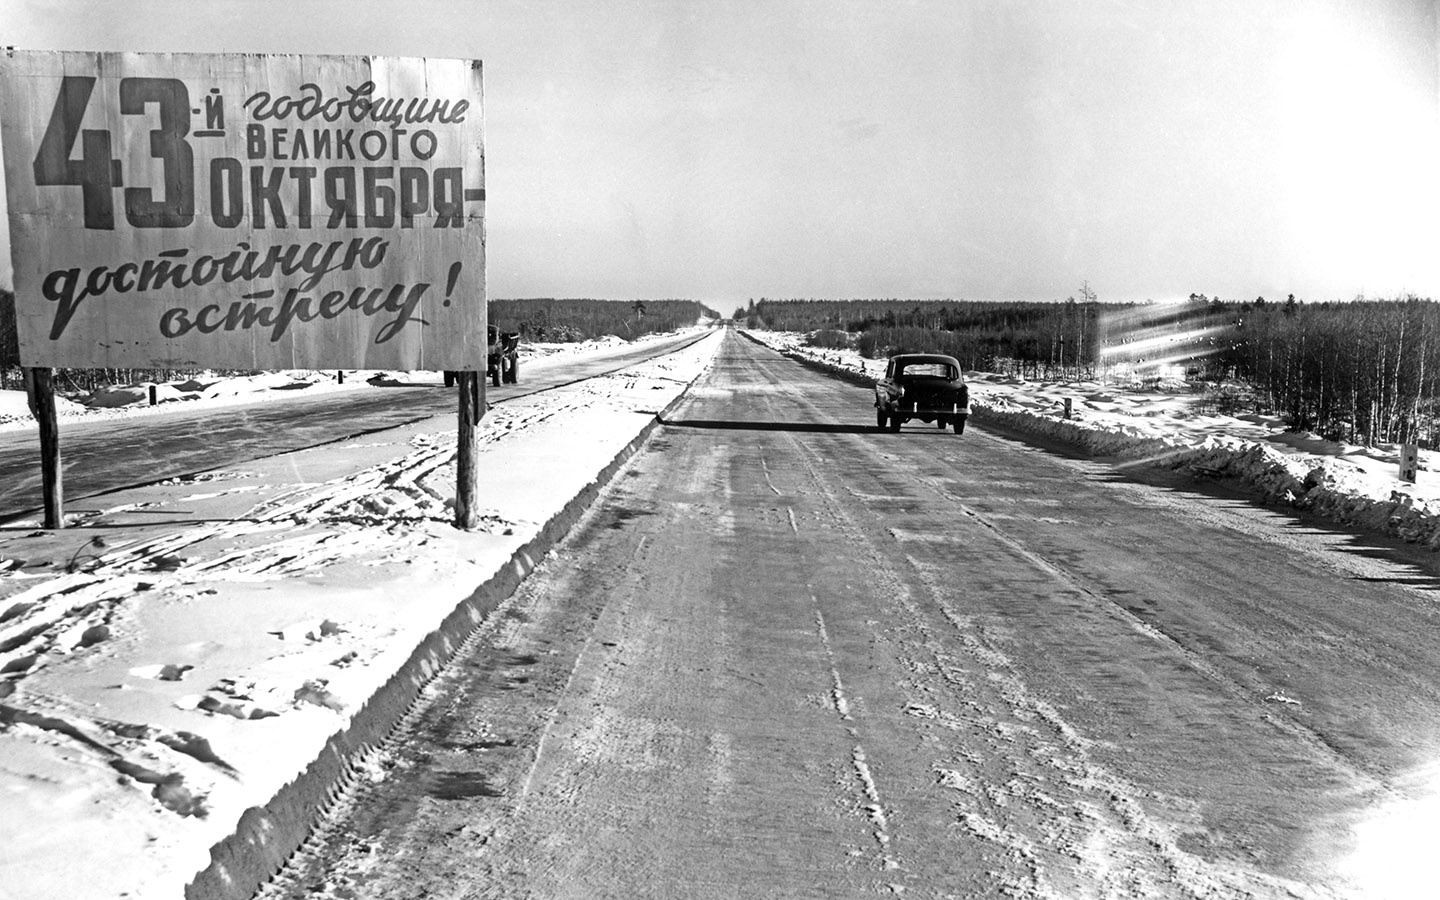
[[870, 799], [889, 582], [1291, 727], [62, 616], [40, 611], [1099, 839], [873, 805], [1117, 840], [837, 689]]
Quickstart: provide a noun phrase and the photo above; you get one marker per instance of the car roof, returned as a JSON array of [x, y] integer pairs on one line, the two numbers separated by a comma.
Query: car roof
[[925, 358]]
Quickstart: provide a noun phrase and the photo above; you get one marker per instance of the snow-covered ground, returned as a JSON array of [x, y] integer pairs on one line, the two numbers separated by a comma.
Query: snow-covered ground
[[188, 647], [124, 401], [1166, 425], [185, 649]]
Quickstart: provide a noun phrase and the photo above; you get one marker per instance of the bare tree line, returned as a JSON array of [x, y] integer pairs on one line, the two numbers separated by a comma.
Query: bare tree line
[[543, 319], [1364, 371]]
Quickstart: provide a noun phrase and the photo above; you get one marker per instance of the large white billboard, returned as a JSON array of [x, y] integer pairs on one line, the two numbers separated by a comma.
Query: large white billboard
[[244, 210]]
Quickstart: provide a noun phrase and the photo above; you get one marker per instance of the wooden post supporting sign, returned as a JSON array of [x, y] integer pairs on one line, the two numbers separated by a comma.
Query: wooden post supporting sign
[[472, 408], [40, 393]]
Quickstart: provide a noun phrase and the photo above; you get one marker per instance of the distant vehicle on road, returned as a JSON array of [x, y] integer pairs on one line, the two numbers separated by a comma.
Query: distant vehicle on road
[[924, 386], [503, 357]]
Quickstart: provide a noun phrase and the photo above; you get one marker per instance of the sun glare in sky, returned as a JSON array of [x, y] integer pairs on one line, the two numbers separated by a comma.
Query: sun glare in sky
[[1358, 138], [985, 150], [1161, 340]]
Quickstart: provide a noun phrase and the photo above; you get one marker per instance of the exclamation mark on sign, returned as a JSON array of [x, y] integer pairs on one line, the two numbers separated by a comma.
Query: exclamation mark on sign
[[455, 268]]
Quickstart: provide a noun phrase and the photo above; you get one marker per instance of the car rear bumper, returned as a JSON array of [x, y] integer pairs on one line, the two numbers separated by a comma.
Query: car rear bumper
[[931, 411], [928, 411]]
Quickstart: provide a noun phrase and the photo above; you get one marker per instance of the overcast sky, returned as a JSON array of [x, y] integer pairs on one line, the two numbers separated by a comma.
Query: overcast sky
[[968, 149]]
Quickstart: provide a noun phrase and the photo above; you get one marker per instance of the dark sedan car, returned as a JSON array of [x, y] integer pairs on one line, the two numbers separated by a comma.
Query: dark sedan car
[[924, 386]]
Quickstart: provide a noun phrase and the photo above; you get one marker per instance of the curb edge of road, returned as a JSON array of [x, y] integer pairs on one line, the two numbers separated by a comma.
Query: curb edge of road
[[265, 837]]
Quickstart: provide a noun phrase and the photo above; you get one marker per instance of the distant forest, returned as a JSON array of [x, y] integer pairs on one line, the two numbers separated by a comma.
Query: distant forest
[[548, 319], [1364, 371], [542, 319]]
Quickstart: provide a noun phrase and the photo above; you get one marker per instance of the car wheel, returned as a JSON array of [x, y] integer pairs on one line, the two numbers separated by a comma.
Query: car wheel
[[960, 424]]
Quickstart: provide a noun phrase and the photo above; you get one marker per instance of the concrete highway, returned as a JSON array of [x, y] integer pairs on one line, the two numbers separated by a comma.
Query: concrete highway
[[787, 655]]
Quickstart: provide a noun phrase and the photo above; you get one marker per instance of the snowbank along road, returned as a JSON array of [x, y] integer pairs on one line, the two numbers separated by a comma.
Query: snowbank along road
[[787, 655]]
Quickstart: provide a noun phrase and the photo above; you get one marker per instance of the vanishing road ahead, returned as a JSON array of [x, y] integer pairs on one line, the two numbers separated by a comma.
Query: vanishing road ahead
[[787, 655]]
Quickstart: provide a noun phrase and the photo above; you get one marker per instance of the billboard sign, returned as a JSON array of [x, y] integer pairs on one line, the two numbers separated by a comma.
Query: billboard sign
[[245, 211]]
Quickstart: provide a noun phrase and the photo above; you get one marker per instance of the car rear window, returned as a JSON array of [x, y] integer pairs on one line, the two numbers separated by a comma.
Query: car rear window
[[932, 370]]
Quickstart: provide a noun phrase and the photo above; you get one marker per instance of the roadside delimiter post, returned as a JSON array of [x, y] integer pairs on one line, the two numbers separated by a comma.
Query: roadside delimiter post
[[1409, 462]]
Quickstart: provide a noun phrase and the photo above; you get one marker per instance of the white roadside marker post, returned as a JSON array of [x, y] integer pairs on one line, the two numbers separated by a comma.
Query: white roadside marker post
[[1409, 462]]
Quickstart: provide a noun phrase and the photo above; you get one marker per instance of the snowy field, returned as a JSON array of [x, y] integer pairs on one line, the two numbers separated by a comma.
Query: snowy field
[[185, 649], [1164, 426], [125, 401]]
